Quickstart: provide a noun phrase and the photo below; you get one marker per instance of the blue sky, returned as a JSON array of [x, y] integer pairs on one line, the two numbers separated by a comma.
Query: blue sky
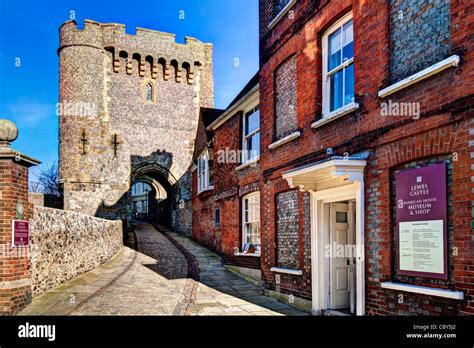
[[29, 38]]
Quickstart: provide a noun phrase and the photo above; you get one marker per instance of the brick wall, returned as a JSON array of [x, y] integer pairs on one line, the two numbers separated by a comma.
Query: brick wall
[[229, 187], [446, 102], [15, 286], [445, 144]]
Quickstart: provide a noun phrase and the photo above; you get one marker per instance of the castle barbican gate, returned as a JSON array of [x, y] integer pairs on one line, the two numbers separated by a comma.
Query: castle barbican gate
[[128, 112]]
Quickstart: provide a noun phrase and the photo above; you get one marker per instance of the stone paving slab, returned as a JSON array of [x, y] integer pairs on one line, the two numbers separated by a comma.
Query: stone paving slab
[[221, 288], [155, 281]]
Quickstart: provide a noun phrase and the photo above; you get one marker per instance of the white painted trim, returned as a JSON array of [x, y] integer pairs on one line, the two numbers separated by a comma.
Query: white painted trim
[[360, 240], [286, 270], [326, 85], [343, 170], [346, 109], [242, 206], [280, 15], [247, 102], [207, 154], [245, 153], [319, 269], [247, 254], [249, 163], [323, 165], [421, 75], [284, 140], [424, 290], [210, 188]]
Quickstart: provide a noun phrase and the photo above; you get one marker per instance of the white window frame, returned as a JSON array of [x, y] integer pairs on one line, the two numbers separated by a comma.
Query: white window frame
[[280, 14], [245, 155], [244, 223], [203, 173], [327, 74]]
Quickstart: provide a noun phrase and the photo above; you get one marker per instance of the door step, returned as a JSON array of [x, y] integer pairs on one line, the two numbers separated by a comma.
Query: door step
[[332, 312]]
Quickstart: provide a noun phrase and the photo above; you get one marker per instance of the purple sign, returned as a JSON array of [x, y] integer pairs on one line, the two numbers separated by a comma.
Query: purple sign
[[422, 221], [20, 233]]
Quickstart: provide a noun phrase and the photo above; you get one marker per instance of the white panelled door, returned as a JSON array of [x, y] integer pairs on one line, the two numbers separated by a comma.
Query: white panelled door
[[340, 234]]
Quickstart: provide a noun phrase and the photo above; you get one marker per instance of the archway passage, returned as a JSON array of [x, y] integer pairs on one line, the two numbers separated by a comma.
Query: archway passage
[[152, 189], [148, 201]]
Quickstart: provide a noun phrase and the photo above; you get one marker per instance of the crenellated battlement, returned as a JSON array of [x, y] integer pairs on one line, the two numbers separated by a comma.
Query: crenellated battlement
[[146, 91], [146, 49], [118, 29]]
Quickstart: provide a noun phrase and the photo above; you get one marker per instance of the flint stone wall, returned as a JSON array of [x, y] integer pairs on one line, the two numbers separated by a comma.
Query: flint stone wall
[[65, 244]]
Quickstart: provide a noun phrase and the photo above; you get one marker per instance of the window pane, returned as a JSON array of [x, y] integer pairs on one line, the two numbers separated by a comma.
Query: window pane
[[256, 144], [246, 210], [251, 227], [149, 92], [336, 91], [249, 155], [252, 122], [279, 6], [334, 50], [252, 146], [349, 84], [254, 208], [341, 217], [348, 41]]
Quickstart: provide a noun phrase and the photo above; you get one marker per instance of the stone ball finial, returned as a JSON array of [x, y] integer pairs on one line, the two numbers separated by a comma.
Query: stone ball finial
[[8, 131]]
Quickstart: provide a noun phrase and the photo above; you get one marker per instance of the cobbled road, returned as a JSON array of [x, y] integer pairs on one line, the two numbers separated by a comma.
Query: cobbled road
[[168, 275]]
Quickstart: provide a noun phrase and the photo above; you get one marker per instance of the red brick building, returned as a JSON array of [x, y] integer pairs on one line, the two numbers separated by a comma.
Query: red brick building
[[226, 181], [365, 170], [354, 63]]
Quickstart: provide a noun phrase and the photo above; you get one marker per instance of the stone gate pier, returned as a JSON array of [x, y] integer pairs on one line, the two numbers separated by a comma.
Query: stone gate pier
[[15, 282], [49, 246]]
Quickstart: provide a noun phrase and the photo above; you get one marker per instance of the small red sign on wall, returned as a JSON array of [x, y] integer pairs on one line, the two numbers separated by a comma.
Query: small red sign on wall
[[20, 233]]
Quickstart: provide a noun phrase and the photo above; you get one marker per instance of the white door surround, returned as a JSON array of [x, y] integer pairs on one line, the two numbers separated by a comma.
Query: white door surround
[[331, 182]]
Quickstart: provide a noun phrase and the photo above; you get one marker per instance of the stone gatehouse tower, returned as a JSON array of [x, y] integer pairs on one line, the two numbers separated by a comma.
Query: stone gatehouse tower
[[129, 107]]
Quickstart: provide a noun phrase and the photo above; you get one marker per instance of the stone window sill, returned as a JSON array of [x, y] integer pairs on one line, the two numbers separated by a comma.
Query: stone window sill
[[457, 295], [206, 190], [332, 116], [284, 140], [280, 15], [421, 75], [286, 271], [252, 162], [247, 254]]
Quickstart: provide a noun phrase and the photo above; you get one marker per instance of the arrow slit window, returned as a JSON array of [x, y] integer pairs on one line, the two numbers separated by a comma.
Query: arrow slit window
[[149, 92]]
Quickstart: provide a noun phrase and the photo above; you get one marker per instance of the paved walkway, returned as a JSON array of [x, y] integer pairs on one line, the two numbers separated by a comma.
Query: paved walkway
[[155, 281]]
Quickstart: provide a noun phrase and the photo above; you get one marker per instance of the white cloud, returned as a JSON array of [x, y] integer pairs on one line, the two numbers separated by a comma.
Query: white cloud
[[27, 112]]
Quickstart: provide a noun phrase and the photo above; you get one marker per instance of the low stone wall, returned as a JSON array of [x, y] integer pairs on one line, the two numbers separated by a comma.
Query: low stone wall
[[65, 244]]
